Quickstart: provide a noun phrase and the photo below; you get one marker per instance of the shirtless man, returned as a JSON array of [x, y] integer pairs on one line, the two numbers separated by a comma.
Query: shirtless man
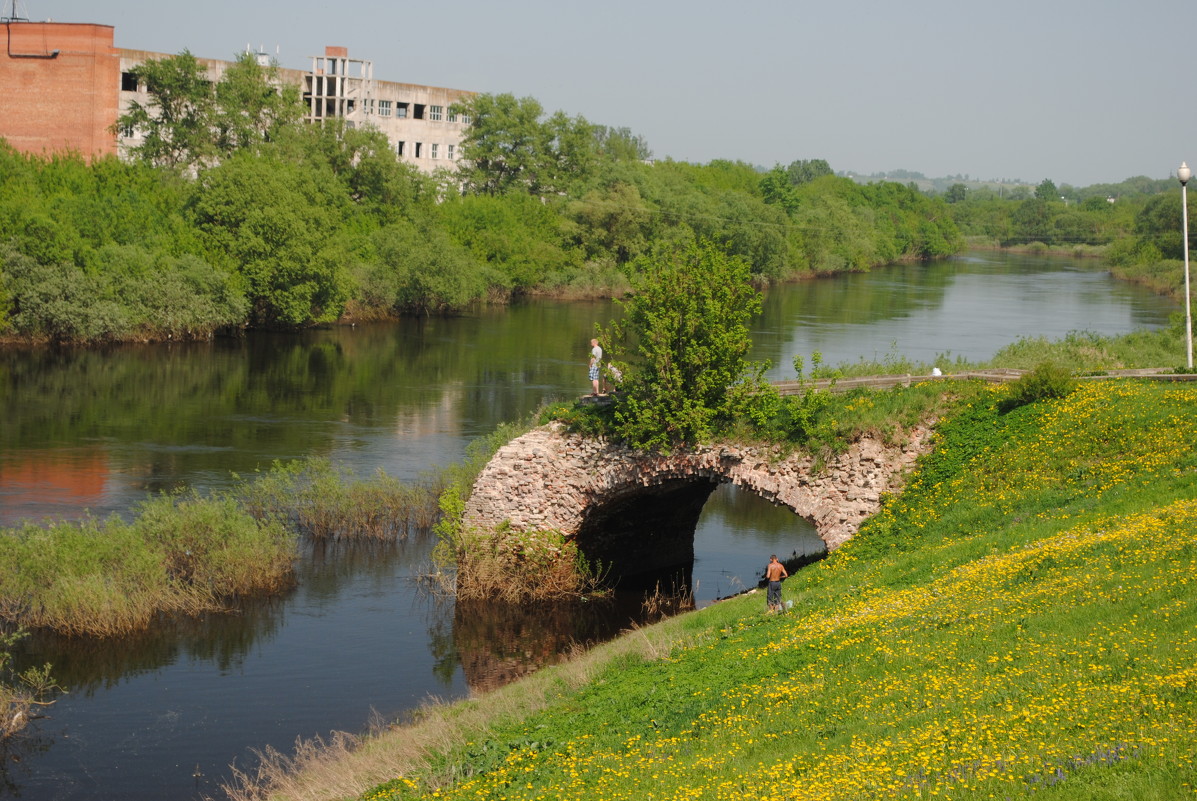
[[775, 572]]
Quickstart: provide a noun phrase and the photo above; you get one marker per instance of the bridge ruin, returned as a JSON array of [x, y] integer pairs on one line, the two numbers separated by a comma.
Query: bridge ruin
[[637, 511]]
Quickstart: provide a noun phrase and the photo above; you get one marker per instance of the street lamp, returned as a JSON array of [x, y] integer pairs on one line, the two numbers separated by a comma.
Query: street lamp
[[1183, 175]]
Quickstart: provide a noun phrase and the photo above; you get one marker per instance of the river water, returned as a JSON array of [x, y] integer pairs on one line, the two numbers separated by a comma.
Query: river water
[[93, 431]]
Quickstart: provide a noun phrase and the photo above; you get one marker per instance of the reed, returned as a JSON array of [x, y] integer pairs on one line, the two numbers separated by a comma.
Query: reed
[[182, 554], [317, 499], [524, 567]]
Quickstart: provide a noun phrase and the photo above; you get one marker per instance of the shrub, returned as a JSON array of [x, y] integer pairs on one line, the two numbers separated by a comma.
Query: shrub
[[1045, 382], [21, 691], [687, 322]]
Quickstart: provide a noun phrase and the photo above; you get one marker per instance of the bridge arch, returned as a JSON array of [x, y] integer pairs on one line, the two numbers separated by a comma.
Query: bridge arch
[[604, 495]]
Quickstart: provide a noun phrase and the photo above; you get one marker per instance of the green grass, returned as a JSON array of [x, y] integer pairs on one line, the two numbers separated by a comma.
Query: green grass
[[1021, 621]]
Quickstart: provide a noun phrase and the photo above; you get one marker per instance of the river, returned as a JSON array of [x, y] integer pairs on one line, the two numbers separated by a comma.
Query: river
[[93, 431]]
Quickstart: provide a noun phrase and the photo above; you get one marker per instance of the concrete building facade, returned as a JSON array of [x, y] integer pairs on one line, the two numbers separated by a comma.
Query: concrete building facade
[[417, 120], [66, 85]]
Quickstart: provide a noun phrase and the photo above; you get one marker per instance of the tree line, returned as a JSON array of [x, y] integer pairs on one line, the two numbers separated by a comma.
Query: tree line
[[1134, 226], [233, 213]]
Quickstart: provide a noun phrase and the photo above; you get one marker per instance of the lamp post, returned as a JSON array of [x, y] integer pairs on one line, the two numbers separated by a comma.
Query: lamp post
[[1183, 175]]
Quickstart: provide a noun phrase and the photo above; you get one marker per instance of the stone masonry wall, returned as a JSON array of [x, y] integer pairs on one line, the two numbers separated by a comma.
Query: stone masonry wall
[[547, 479]]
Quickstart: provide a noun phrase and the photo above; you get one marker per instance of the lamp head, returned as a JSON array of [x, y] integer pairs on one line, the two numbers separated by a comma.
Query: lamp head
[[1184, 174]]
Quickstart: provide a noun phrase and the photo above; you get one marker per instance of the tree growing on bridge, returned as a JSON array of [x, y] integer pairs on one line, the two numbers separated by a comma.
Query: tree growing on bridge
[[682, 347]]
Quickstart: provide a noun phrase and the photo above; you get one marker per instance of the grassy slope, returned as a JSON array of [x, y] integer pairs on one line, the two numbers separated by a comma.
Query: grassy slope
[[1022, 619]]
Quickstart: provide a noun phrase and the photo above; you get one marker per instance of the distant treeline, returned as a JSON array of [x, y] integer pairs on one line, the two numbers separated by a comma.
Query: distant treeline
[[1136, 226], [233, 213]]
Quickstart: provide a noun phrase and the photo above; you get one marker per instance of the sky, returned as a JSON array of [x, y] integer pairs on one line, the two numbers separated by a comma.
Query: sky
[[1077, 91]]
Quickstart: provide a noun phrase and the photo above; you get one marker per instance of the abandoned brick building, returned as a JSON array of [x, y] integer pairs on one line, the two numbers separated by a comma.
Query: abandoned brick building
[[66, 84]]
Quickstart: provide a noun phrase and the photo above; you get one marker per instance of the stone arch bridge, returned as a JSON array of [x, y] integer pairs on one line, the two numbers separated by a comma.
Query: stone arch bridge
[[637, 511]]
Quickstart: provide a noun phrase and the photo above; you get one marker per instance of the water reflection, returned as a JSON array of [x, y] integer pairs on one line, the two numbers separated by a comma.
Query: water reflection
[[325, 572], [968, 307]]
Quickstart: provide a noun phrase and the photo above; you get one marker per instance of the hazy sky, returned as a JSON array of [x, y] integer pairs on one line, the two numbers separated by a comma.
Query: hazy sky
[[1079, 91]]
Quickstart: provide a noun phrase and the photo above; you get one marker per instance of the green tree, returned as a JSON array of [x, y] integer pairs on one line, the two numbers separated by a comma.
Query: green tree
[[1047, 190], [621, 144], [421, 270], [176, 123], [1159, 223], [956, 193], [509, 148], [275, 223], [501, 147], [612, 222], [685, 326], [806, 170], [1032, 220], [252, 106], [778, 190], [191, 122]]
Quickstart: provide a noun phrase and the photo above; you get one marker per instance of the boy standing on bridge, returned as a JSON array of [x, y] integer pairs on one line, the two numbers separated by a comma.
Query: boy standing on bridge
[[775, 572], [596, 363]]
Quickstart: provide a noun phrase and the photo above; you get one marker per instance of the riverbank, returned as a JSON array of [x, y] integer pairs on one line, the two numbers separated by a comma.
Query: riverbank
[[987, 633]]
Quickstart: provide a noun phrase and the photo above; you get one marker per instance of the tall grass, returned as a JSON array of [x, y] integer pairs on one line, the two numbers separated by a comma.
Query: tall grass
[[317, 499], [107, 577], [1022, 620], [1084, 351], [523, 567]]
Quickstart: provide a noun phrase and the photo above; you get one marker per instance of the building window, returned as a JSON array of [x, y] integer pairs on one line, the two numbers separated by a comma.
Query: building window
[[384, 108], [449, 152], [435, 113], [418, 111], [128, 82], [465, 119], [419, 147], [128, 132], [433, 151], [452, 115], [401, 110], [399, 148]]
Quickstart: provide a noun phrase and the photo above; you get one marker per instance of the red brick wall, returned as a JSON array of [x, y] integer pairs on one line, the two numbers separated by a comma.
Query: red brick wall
[[64, 103]]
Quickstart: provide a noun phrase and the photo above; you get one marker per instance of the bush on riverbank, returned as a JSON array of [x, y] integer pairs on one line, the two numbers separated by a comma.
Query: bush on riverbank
[[985, 635], [524, 567]]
